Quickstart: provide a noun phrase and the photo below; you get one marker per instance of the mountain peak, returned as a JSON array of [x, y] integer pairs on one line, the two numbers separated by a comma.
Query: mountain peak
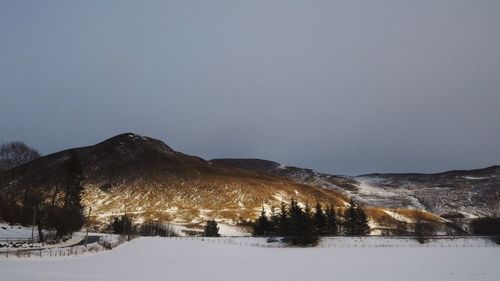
[[132, 141]]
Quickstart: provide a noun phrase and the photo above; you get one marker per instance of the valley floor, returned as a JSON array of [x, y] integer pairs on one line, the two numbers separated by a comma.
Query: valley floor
[[182, 259]]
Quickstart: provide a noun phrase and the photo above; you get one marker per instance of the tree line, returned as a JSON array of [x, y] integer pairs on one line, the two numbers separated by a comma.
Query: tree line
[[123, 225], [303, 226], [63, 212]]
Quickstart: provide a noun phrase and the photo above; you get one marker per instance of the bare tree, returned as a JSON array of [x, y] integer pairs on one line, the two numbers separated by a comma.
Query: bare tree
[[15, 153]]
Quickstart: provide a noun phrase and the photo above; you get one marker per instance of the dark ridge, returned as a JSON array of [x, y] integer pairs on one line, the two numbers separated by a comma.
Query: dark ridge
[[247, 164], [492, 170]]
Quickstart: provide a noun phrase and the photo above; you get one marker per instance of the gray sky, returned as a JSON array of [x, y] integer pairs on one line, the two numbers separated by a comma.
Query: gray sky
[[346, 87]]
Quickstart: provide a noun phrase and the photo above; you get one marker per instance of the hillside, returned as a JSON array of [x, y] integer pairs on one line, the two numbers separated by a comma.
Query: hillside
[[471, 193], [149, 180]]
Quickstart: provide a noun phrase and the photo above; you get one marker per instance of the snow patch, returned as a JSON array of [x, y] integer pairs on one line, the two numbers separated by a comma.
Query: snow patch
[[475, 178], [398, 217]]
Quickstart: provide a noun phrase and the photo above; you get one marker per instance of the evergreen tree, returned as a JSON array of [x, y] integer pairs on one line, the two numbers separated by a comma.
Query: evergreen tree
[[331, 221], [301, 230], [362, 227], [211, 229], [284, 221], [320, 220], [262, 226], [68, 216], [350, 218], [274, 222], [122, 225], [355, 220]]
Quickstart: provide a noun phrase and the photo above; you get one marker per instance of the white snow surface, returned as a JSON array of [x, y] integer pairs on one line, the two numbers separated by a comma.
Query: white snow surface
[[183, 259], [16, 231], [398, 217], [230, 230], [475, 178]]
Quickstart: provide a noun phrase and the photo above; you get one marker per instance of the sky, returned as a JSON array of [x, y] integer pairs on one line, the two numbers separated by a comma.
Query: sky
[[344, 87]]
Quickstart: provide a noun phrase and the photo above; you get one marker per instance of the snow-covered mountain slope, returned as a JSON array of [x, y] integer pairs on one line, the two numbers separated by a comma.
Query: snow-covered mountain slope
[[452, 194], [149, 180], [146, 178], [455, 193]]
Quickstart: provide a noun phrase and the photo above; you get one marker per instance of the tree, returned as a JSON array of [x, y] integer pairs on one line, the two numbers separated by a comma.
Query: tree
[[283, 221], [350, 219], [211, 229], [15, 153], [301, 227], [423, 228], [156, 228], [66, 215], [274, 220], [356, 221], [486, 226], [64, 220], [122, 225], [362, 227], [331, 221], [263, 225], [320, 220]]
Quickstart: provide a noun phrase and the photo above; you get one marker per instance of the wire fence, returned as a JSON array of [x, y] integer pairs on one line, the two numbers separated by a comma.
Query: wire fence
[[109, 242], [18, 239], [103, 244], [359, 242]]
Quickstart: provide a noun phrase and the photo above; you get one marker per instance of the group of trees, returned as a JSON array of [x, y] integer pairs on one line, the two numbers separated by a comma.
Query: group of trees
[[13, 154], [303, 226], [123, 225], [423, 229], [486, 226], [62, 213], [211, 229], [66, 216]]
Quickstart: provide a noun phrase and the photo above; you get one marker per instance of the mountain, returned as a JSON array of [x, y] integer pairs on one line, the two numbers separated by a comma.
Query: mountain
[[468, 194], [465, 194], [147, 178]]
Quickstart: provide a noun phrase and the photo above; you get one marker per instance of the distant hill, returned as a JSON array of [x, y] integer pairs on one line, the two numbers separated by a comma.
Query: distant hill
[[147, 178]]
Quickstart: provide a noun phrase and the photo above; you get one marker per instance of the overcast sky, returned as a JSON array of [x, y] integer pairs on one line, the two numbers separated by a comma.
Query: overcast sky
[[346, 87]]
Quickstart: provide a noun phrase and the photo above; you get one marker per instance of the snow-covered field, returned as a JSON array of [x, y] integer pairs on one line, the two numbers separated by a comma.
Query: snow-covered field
[[183, 259]]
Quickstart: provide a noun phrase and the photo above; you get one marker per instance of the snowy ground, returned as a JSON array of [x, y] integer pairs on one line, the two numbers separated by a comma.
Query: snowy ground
[[183, 259], [15, 231]]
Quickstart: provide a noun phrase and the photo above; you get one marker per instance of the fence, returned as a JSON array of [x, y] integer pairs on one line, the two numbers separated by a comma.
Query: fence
[[361, 242], [262, 242], [102, 245], [19, 239]]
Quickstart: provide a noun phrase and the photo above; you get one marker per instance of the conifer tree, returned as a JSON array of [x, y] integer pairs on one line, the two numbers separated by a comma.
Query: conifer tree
[[262, 226], [284, 221], [274, 222], [350, 218], [301, 231], [319, 219], [362, 227], [211, 229], [331, 221], [355, 220]]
